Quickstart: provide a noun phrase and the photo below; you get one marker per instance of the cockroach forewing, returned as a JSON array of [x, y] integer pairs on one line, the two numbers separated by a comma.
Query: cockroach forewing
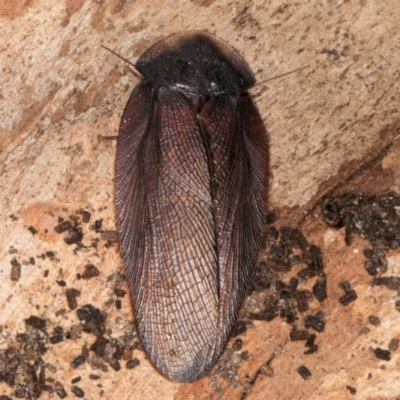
[[129, 180], [238, 150], [166, 230]]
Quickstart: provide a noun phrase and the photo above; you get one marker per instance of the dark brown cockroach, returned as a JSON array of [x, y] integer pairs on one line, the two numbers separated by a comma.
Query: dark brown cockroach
[[191, 192]]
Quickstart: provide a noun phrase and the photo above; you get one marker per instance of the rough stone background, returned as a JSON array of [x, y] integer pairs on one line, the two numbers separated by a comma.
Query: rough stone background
[[60, 91]]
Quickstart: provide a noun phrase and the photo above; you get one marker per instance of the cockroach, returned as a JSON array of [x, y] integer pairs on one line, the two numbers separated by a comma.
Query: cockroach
[[191, 191]]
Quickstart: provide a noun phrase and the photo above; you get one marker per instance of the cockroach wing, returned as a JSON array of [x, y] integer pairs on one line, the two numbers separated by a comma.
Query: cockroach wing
[[166, 231], [239, 154]]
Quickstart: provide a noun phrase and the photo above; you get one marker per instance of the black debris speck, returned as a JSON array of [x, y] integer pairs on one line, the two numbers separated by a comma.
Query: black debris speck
[[32, 260], [382, 354], [109, 236], [76, 362], [374, 320], [77, 391], [115, 365], [61, 283], [36, 322], [239, 328], [271, 218], [391, 282], [132, 363], [32, 230], [304, 372], [75, 380], [310, 344], [98, 225], [394, 344], [299, 334], [316, 258], [237, 345], [302, 297], [349, 296], [319, 289], [63, 226], [61, 393], [118, 304], [72, 294], [56, 339], [15, 270], [315, 323], [94, 376], [351, 389], [85, 215], [119, 292]]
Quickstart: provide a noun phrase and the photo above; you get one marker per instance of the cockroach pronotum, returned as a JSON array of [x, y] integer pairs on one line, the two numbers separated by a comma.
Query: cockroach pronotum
[[191, 192]]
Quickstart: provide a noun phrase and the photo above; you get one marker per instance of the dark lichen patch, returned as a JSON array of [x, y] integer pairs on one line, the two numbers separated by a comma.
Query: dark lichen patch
[[286, 250], [99, 346], [288, 282], [228, 365], [373, 218], [92, 319], [22, 367], [75, 236]]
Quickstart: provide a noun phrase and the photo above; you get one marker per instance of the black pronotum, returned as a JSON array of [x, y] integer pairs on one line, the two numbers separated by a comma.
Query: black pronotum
[[191, 194]]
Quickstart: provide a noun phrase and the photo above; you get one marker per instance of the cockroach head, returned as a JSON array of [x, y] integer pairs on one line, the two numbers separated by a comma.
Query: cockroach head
[[196, 63]]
